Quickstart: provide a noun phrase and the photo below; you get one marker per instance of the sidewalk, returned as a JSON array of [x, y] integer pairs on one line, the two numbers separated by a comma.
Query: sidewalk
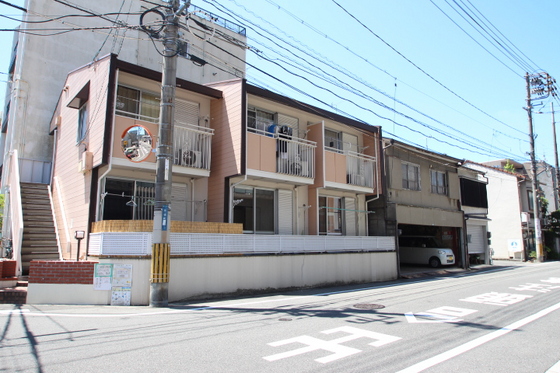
[[417, 271]]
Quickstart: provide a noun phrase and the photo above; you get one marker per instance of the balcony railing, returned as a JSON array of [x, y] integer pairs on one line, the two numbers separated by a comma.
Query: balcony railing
[[294, 156], [360, 169], [192, 146]]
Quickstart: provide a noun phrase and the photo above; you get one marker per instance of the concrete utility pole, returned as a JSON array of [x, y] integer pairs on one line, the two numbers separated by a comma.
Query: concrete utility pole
[[161, 248], [536, 208], [557, 190]]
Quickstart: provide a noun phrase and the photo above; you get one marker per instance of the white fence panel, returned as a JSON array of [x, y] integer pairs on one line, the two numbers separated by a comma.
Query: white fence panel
[[215, 244]]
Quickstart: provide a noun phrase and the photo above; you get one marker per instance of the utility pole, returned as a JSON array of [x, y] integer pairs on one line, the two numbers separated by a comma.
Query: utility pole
[[557, 190], [536, 208], [161, 248]]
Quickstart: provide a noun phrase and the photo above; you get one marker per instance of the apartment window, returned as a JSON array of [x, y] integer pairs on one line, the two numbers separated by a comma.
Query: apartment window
[[259, 120], [330, 215], [255, 209], [82, 122], [410, 176], [439, 182], [530, 200], [138, 104], [333, 139]]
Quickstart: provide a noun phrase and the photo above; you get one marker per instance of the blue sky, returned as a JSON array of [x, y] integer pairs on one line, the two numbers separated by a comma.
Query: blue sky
[[403, 65]]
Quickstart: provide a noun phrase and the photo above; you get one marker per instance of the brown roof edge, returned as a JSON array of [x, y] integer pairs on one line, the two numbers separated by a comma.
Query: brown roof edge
[[155, 75], [269, 95]]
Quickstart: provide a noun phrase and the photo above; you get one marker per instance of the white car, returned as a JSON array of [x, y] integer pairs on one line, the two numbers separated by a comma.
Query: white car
[[424, 250]]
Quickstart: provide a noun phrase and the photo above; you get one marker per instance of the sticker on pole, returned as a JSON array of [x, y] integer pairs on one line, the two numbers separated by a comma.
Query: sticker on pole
[[164, 217]]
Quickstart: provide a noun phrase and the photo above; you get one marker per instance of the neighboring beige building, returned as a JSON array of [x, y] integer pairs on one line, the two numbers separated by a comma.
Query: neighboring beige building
[[422, 197]]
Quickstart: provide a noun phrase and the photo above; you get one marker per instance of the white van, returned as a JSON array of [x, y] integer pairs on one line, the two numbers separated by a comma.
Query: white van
[[424, 250]]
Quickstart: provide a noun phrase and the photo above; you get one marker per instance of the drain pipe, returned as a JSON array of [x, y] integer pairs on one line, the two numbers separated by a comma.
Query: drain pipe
[[192, 199]]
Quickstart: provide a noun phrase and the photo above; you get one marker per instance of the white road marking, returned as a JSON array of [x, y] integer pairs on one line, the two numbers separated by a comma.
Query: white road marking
[[438, 315], [497, 299], [554, 369], [338, 351], [477, 342]]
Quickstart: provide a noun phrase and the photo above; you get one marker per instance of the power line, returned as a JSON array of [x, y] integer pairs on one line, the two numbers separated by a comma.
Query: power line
[[320, 58], [332, 80], [422, 70], [303, 92]]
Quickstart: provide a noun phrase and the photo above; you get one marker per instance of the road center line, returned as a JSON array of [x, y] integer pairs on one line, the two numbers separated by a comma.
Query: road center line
[[477, 342]]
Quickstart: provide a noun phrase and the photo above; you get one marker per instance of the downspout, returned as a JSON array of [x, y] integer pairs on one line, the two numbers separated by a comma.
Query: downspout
[[109, 163], [192, 199], [377, 196]]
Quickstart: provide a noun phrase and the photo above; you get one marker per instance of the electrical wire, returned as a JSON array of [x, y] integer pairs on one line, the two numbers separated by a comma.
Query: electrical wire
[[386, 107], [422, 70]]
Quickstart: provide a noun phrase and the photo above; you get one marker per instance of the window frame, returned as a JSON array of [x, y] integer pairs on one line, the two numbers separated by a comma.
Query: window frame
[[255, 219], [259, 124], [139, 112], [330, 213], [437, 188], [83, 116], [406, 181]]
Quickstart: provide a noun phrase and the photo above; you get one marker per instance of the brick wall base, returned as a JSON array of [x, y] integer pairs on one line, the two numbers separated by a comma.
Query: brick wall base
[[61, 272]]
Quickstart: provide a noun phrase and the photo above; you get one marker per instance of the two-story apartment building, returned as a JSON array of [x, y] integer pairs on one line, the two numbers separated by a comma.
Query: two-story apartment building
[[294, 169], [422, 197], [254, 173]]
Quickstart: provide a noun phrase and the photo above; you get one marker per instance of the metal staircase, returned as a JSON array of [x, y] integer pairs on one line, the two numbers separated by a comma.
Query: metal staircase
[[39, 236]]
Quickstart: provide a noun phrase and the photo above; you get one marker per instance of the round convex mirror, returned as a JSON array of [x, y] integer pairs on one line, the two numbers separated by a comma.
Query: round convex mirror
[[136, 143]]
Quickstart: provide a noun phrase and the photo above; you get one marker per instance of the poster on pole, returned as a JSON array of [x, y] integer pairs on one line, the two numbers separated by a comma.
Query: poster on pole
[[102, 276]]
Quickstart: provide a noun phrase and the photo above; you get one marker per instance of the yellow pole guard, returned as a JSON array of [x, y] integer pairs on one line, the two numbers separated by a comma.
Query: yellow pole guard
[[160, 262]]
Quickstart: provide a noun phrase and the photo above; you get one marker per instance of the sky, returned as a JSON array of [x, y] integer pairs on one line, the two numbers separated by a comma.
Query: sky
[[417, 68]]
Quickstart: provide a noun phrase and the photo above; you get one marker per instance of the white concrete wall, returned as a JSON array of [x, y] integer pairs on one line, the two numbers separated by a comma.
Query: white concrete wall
[[66, 294], [206, 276], [504, 210]]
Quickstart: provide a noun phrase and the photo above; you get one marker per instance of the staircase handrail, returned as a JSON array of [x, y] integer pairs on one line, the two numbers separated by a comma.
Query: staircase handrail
[[51, 201], [15, 209], [64, 219]]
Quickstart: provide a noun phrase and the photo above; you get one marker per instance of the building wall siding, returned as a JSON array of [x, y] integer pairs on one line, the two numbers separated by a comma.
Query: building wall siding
[[226, 117]]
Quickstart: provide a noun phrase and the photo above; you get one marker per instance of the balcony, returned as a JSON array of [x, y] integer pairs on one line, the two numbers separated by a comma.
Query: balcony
[[280, 154], [192, 146], [191, 142], [349, 170], [360, 169]]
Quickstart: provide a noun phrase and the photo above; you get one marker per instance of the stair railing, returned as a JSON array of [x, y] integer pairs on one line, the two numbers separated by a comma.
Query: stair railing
[[15, 209]]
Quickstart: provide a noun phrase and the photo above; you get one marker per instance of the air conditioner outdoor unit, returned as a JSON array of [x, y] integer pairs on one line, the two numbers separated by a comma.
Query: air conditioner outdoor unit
[[190, 158], [299, 168]]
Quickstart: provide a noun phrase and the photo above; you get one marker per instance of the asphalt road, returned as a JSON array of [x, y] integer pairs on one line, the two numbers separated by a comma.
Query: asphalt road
[[502, 318]]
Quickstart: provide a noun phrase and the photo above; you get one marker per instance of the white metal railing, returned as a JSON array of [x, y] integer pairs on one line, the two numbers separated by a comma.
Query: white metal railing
[[192, 146], [360, 169], [139, 243], [294, 156], [15, 209]]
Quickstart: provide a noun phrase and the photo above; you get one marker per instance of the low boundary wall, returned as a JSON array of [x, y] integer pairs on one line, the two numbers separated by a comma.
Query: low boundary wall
[[209, 276]]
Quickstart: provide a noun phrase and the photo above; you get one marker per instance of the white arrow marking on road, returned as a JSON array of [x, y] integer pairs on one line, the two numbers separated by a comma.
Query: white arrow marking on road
[[339, 351]]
